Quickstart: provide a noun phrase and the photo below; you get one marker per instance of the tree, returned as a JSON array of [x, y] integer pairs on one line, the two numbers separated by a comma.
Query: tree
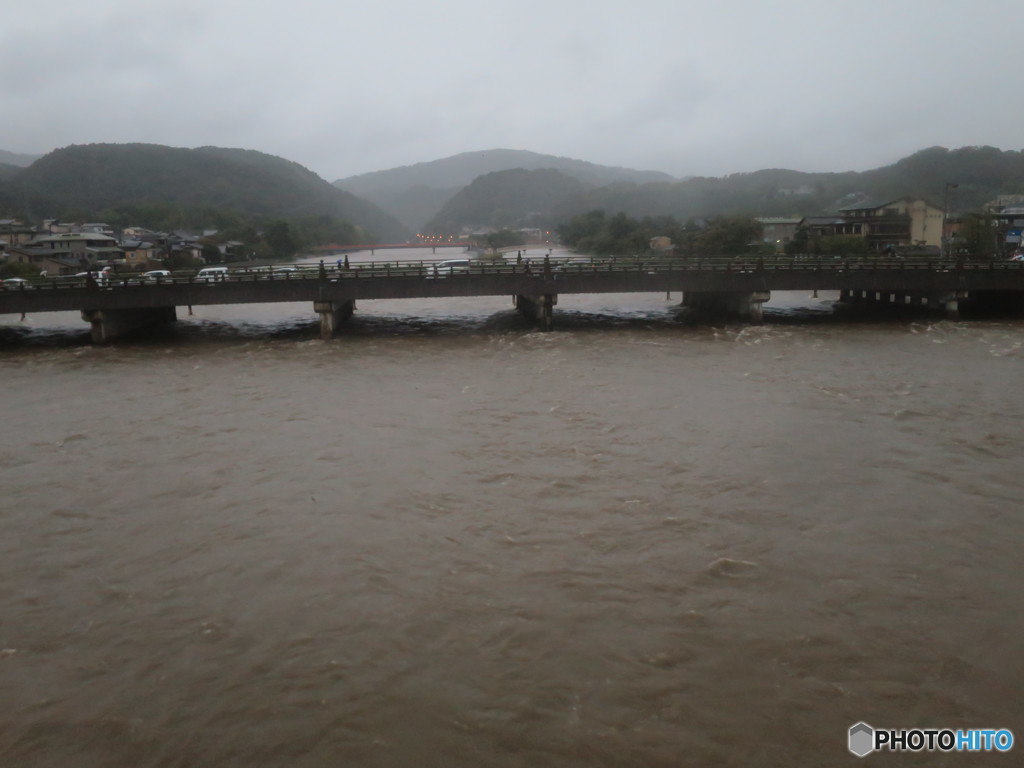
[[211, 253], [729, 235], [978, 235], [598, 234], [504, 238], [181, 260], [281, 240], [837, 245], [580, 227], [801, 243]]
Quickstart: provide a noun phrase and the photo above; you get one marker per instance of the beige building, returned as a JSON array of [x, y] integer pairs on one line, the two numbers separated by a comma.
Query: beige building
[[45, 260], [661, 243], [89, 246], [13, 232], [140, 255], [903, 222]]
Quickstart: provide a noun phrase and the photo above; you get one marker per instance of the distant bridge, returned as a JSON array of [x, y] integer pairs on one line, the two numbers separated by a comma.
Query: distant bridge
[[737, 286], [334, 249]]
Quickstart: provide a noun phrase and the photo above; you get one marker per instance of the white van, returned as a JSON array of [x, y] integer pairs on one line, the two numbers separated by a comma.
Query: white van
[[211, 274], [102, 277], [448, 267]]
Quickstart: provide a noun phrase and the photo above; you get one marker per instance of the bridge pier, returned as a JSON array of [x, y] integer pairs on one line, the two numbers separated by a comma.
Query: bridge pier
[[108, 324], [539, 308], [332, 315], [948, 303], [1000, 302], [746, 305], [945, 302]]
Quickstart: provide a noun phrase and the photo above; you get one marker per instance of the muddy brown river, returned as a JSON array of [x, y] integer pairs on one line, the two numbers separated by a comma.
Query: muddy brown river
[[446, 539]]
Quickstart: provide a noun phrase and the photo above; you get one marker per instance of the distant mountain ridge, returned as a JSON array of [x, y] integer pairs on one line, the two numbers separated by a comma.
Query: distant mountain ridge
[[91, 178], [77, 180], [415, 194], [14, 158], [964, 179], [512, 199]]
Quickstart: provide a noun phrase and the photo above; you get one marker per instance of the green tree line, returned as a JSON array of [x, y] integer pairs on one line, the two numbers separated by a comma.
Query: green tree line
[[601, 234]]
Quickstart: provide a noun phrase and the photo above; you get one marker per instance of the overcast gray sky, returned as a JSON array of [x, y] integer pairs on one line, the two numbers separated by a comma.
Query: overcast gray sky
[[685, 87]]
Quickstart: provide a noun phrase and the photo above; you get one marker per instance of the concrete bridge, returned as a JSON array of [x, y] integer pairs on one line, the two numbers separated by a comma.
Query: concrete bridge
[[733, 286]]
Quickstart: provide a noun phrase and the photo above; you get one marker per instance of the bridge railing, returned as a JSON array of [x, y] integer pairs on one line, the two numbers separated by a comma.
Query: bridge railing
[[533, 266]]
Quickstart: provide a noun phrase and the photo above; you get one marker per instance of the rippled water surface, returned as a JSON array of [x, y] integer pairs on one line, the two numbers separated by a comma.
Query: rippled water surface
[[444, 539]]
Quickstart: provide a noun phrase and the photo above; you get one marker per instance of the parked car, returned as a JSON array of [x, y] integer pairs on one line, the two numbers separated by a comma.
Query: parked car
[[155, 275], [100, 276], [448, 267], [15, 283], [1017, 257], [575, 265], [211, 274]]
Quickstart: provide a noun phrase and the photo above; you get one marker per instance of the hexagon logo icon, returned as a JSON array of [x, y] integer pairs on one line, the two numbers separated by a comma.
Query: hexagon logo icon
[[861, 739]]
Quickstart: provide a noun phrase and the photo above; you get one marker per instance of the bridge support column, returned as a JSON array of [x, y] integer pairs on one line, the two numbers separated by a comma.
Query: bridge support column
[[947, 302], [332, 315], [108, 324], [998, 302], [746, 305], [539, 308]]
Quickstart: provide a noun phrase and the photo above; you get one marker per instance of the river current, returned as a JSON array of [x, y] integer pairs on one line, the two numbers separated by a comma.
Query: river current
[[446, 539]]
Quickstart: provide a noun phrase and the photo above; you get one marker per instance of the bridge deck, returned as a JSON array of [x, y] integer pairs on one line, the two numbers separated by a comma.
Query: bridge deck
[[397, 279]]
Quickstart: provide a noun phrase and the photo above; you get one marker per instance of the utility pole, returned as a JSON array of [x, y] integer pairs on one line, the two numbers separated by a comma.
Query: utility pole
[[944, 239]]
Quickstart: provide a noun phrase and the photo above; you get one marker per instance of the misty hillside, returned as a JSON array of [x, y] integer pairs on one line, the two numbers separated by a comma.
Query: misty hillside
[[83, 181], [8, 171], [415, 194], [512, 199], [80, 180], [13, 158], [773, 192], [418, 192], [979, 173], [508, 199]]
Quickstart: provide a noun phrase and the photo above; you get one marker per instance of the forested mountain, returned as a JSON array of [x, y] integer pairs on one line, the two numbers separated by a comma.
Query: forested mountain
[[497, 188], [13, 158], [978, 173], [415, 194], [965, 178], [762, 193], [8, 171], [512, 199], [84, 181]]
